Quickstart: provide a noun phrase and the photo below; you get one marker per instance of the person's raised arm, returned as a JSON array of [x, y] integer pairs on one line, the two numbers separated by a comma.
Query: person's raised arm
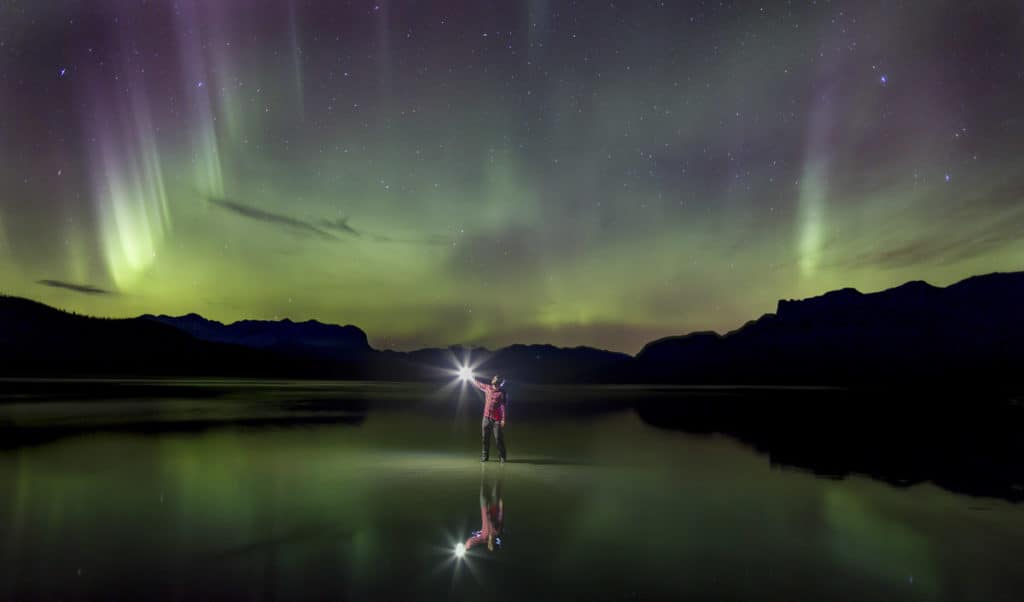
[[478, 384]]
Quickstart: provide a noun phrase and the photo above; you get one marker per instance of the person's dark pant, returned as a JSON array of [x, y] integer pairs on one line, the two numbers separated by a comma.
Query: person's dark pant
[[489, 425]]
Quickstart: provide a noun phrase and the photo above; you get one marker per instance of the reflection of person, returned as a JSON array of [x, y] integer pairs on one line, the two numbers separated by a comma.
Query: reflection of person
[[495, 414], [492, 514]]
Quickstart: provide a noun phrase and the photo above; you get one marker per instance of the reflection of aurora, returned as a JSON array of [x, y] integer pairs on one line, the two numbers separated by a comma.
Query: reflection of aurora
[[375, 512], [880, 545]]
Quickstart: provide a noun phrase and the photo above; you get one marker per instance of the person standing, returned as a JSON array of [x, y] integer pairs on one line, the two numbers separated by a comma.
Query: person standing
[[495, 415]]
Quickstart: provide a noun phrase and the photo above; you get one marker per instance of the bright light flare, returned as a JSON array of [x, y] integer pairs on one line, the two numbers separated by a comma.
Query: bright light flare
[[460, 550], [465, 372]]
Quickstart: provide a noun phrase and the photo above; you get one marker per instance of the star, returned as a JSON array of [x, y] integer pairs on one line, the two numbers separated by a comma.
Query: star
[[523, 145]]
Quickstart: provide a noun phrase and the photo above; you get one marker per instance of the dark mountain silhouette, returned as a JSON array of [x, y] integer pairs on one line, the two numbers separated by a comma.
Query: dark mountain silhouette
[[933, 380], [310, 338], [521, 363], [955, 353], [972, 330], [38, 340]]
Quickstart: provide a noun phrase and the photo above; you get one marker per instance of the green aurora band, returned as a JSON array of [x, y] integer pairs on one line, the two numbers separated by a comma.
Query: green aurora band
[[490, 173]]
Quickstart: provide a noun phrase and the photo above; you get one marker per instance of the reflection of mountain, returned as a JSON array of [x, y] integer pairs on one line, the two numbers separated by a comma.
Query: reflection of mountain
[[972, 331], [967, 443]]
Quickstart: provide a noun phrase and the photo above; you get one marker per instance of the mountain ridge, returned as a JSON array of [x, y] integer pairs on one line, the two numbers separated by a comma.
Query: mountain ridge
[[971, 327]]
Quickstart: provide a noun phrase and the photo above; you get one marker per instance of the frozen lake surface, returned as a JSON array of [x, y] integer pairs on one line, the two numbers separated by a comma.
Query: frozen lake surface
[[292, 492]]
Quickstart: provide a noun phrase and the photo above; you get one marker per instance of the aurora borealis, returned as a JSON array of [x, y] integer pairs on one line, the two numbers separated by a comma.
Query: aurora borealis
[[494, 172]]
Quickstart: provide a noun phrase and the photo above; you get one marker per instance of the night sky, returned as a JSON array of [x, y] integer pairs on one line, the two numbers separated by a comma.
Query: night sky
[[489, 172]]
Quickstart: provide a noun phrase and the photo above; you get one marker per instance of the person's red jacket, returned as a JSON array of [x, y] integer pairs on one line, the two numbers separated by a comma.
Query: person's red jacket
[[496, 404]]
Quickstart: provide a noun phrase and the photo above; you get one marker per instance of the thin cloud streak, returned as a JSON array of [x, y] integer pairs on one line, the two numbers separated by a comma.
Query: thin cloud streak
[[291, 223], [87, 289]]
